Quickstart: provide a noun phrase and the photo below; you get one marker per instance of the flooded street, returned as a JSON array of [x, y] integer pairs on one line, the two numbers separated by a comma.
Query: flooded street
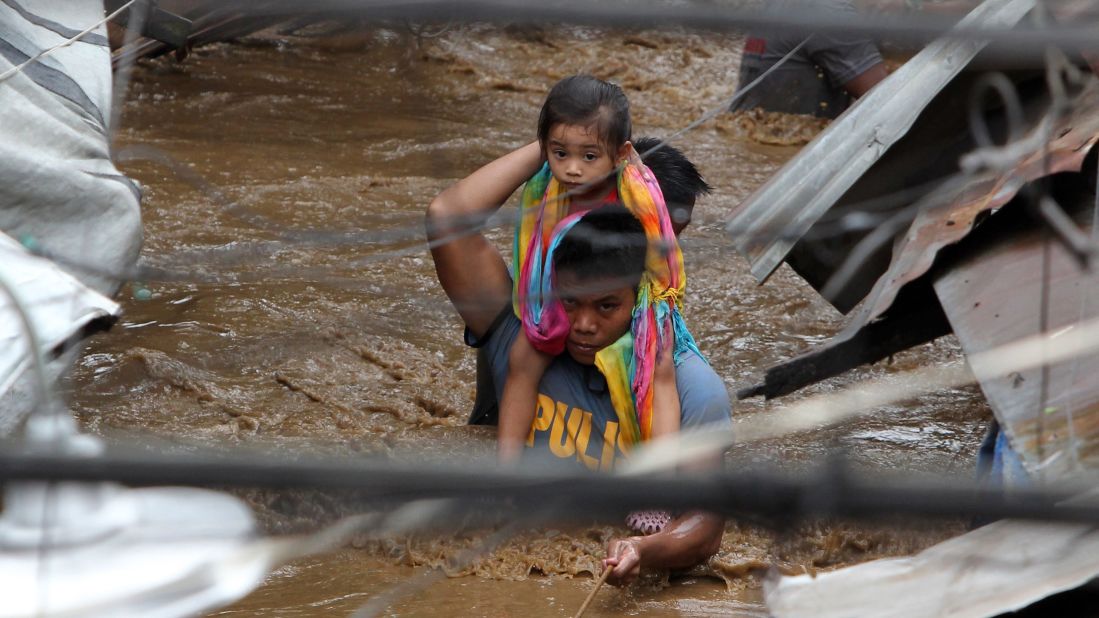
[[300, 312]]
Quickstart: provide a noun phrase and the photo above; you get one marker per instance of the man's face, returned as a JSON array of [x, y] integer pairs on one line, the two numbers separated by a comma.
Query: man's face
[[599, 311]]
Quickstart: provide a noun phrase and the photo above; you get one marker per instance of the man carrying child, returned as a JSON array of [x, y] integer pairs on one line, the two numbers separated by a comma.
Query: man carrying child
[[598, 264]]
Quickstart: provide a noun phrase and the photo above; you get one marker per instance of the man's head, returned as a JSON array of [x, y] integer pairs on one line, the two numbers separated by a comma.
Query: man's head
[[598, 265], [679, 179]]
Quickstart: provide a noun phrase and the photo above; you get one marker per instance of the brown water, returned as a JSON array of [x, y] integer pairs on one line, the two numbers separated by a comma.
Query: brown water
[[305, 315]]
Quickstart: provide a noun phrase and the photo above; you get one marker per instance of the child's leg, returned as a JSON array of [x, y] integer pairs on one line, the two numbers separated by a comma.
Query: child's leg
[[666, 412], [666, 419], [520, 399]]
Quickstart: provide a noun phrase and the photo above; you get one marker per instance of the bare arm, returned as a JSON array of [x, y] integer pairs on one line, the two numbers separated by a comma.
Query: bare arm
[[686, 541], [469, 267], [866, 80], [871, 77]]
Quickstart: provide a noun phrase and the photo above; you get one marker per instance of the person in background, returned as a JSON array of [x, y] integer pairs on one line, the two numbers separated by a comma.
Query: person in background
[[821, 79], [831, 70]]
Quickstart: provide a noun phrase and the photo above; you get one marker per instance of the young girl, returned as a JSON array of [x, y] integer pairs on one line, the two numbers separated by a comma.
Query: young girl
[[584, 131]]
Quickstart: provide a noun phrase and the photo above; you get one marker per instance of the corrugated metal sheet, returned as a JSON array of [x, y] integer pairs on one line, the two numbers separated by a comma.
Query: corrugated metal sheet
[[953, 217], [770, 222], [996, 569], [939, 224]]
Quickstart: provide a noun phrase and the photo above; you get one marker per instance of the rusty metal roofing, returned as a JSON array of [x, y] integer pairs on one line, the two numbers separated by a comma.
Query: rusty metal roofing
[[953, 214], [994, 295], [945, 218]]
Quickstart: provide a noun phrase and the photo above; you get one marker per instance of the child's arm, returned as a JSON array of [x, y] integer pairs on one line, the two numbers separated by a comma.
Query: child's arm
[[520, 399], [665, 397]]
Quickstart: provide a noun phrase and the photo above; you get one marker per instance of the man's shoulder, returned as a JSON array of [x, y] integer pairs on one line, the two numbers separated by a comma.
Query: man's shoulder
[[703, 397], [692, 367]]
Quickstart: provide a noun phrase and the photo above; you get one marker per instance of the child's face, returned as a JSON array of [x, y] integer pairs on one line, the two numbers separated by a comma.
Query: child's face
[[577, 157]]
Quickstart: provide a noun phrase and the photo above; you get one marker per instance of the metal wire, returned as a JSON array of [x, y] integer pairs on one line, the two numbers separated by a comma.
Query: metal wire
[[776, 493], [808, 18], [765, 492], [384, 255]]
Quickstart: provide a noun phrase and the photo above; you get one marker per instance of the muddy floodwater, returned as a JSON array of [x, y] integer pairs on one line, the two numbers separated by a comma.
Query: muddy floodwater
[[285, 182]]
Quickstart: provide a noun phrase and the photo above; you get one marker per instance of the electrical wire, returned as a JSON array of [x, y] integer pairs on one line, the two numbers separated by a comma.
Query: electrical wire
[[1071, 32]]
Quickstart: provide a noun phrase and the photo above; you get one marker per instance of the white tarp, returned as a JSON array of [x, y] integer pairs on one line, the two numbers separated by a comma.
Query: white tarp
[[92, 549], [157, 552], [59, 190], [995, 569], [57, 305], [58, 186]]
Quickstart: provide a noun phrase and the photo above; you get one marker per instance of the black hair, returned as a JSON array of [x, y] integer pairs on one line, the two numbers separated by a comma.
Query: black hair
[[589, 102], [679, 179], [607, 242]]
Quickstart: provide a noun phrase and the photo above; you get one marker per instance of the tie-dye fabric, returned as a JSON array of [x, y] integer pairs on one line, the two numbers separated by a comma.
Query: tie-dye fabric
[[629, 363]]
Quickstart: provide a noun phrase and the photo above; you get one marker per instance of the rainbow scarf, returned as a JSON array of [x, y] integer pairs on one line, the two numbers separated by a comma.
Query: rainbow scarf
[[627, 364]]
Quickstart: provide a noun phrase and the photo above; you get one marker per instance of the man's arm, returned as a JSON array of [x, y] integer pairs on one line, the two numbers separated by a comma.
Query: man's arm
[[851, 62], [695, 536], [469, 267], [863, 82], [686, 541]]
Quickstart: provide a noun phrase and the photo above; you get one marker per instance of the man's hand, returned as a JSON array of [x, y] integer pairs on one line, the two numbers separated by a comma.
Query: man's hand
[[686, 541], [624, 556]]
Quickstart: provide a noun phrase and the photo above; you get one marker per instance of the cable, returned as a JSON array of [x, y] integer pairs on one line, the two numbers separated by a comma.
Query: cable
[[903, 27], [398, 252], [602, 496]]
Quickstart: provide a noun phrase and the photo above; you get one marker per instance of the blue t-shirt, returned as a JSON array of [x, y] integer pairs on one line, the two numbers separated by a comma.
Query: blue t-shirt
[[575, 419]]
